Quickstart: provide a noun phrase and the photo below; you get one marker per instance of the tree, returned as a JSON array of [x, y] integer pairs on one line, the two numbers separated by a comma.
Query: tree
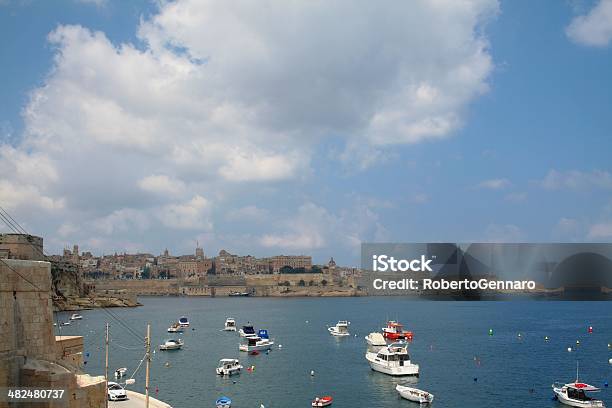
[[146, 273], [315, 269], [324, 282], [286, 269], [311, 283]]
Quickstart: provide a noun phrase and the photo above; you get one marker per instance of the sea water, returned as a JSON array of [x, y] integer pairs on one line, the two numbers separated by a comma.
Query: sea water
[[461, 363]]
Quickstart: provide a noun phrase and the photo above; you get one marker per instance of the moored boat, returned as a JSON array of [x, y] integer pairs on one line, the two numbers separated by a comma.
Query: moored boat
[[577, 393], [340, 329], [172, 344], [322, 401], [175, 328], [256, 343], [183, 321], [393, 360], [120, 372], [223, 402], [395, 331], [414, 394], [247, 330], [76, 316], [228, 366], [230, 324]]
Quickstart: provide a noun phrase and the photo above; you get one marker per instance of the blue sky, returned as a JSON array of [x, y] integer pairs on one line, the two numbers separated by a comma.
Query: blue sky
[[305, 128]]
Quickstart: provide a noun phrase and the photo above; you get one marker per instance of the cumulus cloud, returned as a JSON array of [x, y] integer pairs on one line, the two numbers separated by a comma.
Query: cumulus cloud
[[577, 180], [594, 28], [161, 184], [218, 95], [314, 227]]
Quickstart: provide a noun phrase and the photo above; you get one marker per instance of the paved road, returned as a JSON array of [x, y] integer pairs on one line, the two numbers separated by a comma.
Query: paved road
[[136, 400]]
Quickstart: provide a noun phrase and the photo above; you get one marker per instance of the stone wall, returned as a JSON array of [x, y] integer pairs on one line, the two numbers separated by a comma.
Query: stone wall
[[139, 287], [29, 354]]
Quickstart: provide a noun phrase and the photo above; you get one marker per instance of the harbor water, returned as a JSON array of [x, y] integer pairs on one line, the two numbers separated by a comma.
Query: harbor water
[[470, 353]]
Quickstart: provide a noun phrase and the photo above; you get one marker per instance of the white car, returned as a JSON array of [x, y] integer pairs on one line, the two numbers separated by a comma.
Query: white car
[[116, 392]]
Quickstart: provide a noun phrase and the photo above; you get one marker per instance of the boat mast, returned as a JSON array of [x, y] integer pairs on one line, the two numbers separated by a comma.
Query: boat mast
[[106, 367], [577, 370], [148, 356]]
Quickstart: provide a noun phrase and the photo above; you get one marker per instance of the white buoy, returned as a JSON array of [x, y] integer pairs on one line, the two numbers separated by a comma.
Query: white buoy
[[569, 349], [280, 346], [610, 361], [312, 373]]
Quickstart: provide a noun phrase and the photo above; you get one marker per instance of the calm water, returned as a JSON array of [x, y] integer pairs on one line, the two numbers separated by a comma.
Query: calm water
[[451, 345]]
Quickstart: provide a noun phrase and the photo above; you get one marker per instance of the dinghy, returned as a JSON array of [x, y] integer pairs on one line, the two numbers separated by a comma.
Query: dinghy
[[223, 402], [414, 394], [325, 401]]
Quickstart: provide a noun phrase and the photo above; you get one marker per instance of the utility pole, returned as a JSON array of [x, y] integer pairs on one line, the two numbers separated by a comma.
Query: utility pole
[[148, 346], [106, 368]]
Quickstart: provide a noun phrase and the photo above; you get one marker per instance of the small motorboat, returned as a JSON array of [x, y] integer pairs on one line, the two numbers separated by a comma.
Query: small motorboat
[[414, 394], [76, 316], [183, 321], [175, 328], [239, 294], [325, 401], [247, 330], [395, 331], [66, 324], [340, 329], [393, 360], [375, 341], [228, 366], [256, 343], [230, 324], [576, 394], [172, 344], [223, 402], [120, 372]]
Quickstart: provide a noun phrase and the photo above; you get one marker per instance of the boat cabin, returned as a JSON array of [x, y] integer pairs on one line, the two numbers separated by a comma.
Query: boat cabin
[[578, 391], [227, 363], [248, 329]]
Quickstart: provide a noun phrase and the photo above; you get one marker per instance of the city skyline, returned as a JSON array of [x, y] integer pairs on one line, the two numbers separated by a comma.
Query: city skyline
[[145, 125]]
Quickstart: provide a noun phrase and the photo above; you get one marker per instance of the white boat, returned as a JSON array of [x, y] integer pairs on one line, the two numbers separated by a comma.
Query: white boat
[[228, 366], [375, 341], [76, 316], [183, 321], [66, 324], [414, 394], [230, 324], [120, 372], [577, 393], [247, 330], [393, 360], [256, 343], [340, 329], [172, 344], [175, 328]]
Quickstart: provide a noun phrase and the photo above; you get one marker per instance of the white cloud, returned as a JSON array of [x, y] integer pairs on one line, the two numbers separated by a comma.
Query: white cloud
[[216, 96], [594, 28], [577, 180], [494, 184], [161, 184], [249, 213], [314, 227], [600, 231], [194, 214]]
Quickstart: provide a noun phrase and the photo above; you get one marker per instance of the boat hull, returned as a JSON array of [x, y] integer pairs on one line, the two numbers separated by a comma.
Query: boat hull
[[408, 369], [334, 332], [228, 372], [262, 347], [564, 399], [414, 394]]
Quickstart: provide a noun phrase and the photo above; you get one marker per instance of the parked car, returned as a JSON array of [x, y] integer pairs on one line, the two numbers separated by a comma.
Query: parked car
[[116, 392]]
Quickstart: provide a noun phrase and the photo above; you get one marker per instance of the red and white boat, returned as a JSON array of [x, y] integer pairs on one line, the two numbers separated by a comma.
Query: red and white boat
[[395, 331], [325, 401]]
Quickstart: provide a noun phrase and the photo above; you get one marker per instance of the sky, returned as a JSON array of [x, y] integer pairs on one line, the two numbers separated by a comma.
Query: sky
[[279, 127]]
